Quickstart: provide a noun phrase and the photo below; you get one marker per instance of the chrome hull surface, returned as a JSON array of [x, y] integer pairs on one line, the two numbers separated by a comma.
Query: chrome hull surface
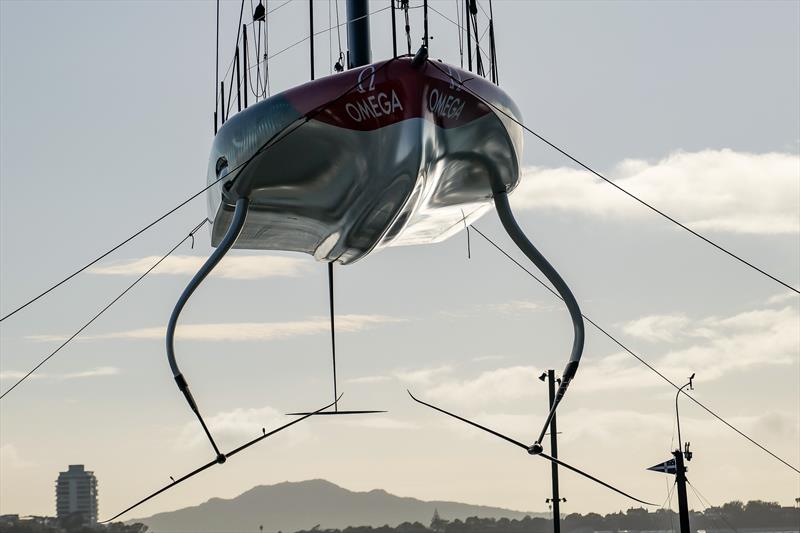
[[405, 158]]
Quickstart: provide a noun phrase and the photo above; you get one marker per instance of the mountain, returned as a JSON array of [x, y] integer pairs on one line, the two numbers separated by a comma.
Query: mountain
[[291, 506]]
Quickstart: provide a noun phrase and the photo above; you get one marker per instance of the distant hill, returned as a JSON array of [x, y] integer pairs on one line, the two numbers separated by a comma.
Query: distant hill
[[291, 506]]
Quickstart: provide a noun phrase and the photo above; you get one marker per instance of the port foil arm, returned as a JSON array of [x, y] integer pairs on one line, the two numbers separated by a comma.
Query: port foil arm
[[237, 222]]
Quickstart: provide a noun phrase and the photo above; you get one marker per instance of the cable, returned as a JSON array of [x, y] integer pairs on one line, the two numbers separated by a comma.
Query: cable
[[670, 490], [304, 39], [459, 26], [610, 182], [637, 357], [276, 138], [114, 248], [104, 309], [708, 504]]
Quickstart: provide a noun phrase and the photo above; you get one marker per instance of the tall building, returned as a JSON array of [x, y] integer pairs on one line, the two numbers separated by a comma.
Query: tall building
[[76, 495]]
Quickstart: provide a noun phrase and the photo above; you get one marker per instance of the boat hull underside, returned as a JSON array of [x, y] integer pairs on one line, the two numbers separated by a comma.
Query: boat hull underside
[[337, 193]]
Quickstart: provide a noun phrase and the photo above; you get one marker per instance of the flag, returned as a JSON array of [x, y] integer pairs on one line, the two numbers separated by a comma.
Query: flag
[[668, 467]]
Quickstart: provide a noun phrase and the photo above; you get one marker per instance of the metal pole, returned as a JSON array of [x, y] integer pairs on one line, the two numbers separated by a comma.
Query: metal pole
[[238, 81], [246, 64], [469, 35], [359, 53], [551, 385], [425, 21], [311, 35], [333, 334], [394, 30], [222, 100], [680, 479]]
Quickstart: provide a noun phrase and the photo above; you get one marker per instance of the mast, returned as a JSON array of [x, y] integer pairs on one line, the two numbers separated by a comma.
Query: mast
[[360, 53]]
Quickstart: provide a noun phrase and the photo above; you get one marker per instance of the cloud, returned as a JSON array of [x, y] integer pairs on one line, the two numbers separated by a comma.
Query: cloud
[[366, 380], [483, 358], [11, 459], [714, 347], [423, 376], [783, 298], [502, 384], [91, 373], [658, 328], [380, 422], [515, 307], [242, 331], [231, 267], [238, 426], [718, 190]]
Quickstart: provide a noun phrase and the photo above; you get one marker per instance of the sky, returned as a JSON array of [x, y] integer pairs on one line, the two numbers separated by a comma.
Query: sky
[[106, 122]]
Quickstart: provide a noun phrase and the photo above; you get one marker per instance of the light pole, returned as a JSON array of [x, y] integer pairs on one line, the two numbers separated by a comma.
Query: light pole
[[550, 376], [680, 469]]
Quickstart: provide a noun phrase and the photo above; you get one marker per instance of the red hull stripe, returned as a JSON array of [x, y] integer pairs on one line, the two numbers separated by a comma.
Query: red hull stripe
[[395, 93]]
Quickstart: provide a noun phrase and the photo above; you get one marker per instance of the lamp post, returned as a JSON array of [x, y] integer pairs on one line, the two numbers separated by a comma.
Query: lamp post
[[550, 376]]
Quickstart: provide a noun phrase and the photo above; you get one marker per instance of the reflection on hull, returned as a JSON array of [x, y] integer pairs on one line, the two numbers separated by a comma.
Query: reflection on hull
[[402, 160]]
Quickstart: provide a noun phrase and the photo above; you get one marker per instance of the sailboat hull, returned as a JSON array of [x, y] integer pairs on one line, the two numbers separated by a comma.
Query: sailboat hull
[[383, 155]]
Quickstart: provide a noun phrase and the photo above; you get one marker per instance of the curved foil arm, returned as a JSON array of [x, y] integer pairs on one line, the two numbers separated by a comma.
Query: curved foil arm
[[518, 236], [239, 216]]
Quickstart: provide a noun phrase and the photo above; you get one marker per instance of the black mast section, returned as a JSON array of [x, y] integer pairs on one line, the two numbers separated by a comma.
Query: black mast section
[[556, 501], [358, 33], [311, 35]]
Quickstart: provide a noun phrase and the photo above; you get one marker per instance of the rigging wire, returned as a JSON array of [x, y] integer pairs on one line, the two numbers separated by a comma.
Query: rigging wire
[[670, 491], [636, 356], [114, 248], [276, 138], [611, 182], [104, 309], [340, 61], [707, 505], [330, 39], [460, 28], [460, 35], [304, 39]]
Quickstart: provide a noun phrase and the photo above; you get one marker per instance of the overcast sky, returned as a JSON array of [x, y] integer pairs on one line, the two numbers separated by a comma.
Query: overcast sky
[[107, 122]]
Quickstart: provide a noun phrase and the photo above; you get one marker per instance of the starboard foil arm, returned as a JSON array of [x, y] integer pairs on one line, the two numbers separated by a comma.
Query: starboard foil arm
[[532, 450], [237, 222], [518, 236]]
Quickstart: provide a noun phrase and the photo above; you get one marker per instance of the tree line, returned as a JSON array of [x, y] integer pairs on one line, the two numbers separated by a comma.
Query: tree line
[[765, 516]]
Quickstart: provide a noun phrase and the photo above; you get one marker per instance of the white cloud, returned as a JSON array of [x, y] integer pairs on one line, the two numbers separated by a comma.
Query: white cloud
[[423, 376], [716, 347], [502, 384], [91, 373], [515, 307], [242, 331], [483, 358], [784, 297], [11, 459], [237, 426], [719, 190], [658, 328], [366, 380], [231, 267], [380, 422], [767, 337]]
